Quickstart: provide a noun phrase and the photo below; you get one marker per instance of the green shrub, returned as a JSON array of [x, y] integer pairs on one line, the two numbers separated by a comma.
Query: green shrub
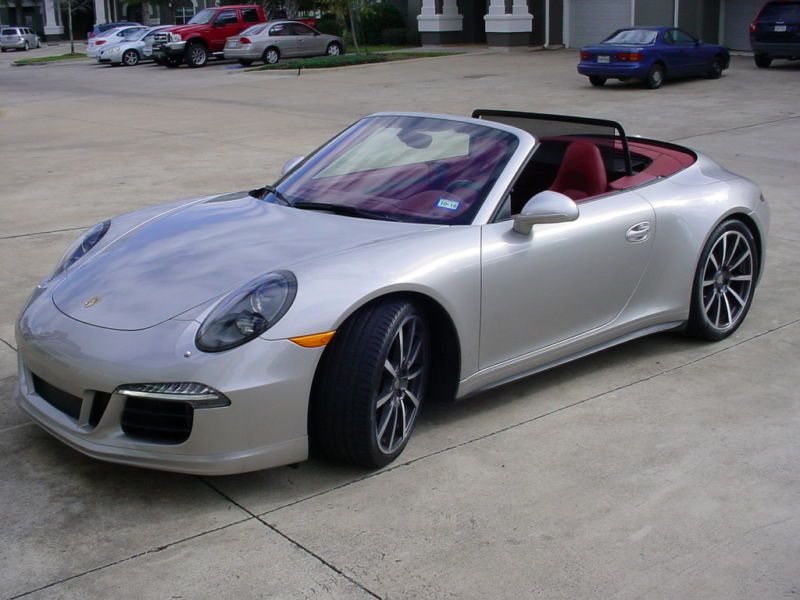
[[375, 18], [329, 26], [394, 37]]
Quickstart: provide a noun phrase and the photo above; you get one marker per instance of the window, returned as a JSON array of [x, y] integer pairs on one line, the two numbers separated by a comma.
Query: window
[[226, 17], [774, 11], [279, 30], [183, 15], [250, 15], [300, 29], [676, 36], [9, 32], [254, 30]]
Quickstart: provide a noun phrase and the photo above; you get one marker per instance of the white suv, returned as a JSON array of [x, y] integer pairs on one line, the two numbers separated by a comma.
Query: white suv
[[19, 38]]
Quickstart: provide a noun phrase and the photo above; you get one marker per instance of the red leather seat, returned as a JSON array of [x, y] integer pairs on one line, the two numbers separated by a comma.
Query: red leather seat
[[582, 173]]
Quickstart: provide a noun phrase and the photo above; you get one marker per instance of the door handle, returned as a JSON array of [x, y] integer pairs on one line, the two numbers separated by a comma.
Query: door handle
[[639, 232]]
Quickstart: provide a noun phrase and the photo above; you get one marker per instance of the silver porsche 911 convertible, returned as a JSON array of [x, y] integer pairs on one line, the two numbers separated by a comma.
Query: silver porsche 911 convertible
[[412, 258]]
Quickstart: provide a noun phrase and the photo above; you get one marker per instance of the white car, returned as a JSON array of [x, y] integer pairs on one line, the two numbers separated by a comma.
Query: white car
[[18, 38], [131, 49], [114, 36]]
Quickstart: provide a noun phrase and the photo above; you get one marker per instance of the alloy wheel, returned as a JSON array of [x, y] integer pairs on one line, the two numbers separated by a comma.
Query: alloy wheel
[[131, 58], [402, 380], [727, 280], [271, 57]]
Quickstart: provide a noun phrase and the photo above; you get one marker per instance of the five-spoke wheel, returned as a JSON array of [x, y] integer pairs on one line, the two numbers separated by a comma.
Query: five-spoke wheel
[[724, 282]]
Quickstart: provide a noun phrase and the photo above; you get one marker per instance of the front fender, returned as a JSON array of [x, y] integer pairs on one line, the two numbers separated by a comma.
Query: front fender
[[442, 264]]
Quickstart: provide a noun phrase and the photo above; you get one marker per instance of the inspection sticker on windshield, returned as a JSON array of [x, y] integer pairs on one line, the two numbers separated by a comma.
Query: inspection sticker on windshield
[[448, 204]]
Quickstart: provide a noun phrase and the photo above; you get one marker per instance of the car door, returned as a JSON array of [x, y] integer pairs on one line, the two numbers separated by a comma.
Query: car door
[[225, 25], [282, 36], [307, 40], [563, 280]]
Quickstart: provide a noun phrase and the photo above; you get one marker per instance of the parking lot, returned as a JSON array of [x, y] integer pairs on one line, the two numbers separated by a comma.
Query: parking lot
[[664, 468]]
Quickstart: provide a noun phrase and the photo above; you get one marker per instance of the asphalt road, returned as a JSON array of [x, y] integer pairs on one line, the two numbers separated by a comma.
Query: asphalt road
[[663, 468]]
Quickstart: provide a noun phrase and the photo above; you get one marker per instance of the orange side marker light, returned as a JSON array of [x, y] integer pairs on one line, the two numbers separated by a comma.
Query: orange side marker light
[[315, 340]]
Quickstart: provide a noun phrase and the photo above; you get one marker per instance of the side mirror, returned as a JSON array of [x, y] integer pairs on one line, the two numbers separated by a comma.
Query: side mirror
[[545, 207], [291, 164]]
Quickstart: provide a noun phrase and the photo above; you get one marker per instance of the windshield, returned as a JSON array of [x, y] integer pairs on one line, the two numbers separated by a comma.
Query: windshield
[[255, 29], [202, 18], [784, 11], [414, 169], [632, 37]]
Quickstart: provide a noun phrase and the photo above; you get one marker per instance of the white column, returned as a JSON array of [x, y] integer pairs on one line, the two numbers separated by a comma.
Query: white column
[[100, 11], [51, 26], [498, 21], [449, 20]]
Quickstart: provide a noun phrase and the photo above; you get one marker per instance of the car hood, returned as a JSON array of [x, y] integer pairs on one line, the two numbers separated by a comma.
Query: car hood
[[185, 258], [185, 30]]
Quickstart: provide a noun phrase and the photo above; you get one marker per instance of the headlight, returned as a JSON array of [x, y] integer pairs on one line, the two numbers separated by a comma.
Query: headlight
[[175, 37], [248, 312], [116, 49], [81, 246]]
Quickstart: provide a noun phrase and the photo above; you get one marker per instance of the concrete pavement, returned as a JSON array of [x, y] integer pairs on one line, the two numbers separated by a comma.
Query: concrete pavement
[[660, 469]]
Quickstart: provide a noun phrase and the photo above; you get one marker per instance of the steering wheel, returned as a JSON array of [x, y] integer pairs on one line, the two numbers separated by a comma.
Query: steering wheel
[[462, 183]]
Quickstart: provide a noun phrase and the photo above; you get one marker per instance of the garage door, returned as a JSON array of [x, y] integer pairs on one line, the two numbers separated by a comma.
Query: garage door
[[591, 21], [738, 14]]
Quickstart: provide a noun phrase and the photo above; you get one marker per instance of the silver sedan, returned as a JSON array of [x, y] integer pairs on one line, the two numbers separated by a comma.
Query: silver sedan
[[274, 40], [130, 49], [412, 258]]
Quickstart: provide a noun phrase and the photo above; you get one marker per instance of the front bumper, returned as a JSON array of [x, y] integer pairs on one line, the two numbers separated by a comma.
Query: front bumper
[[776, 50], [267, 382], [169, 50], [614, 71]]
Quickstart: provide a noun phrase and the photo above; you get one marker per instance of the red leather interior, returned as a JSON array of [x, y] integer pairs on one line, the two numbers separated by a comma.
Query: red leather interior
[[582, 173]]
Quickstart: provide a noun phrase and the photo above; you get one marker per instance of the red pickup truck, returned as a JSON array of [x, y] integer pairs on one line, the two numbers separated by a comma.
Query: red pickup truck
[[204, 35]]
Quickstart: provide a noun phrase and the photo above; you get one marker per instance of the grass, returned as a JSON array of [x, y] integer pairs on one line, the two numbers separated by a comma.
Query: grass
[[47, 59], [346, 60]]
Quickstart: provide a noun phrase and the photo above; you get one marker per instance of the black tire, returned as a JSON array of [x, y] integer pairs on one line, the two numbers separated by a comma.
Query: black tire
[[597, 81], [715, 312], [271, 55], [762, 61], [3, 49], [130, 58], [196, 55], [715, 72], [655, 77], [245, 62], [26, 48], [355, 394], [333, 49]]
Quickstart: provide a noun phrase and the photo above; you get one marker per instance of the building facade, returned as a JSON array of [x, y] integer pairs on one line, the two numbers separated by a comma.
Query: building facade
[[573, 23]]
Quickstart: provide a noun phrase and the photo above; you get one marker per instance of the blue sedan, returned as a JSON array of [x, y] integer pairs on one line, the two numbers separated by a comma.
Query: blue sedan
[[651, 54]]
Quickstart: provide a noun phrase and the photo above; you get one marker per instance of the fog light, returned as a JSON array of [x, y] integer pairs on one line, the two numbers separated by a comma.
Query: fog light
[[196, 394]]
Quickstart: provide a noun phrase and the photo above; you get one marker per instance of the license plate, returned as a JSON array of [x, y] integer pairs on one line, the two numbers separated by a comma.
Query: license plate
[[603, 59], [780, 27], [233, 44]]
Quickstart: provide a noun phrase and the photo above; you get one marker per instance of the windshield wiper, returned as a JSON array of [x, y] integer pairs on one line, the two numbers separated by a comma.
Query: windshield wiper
[[342, 209], [262, 192]]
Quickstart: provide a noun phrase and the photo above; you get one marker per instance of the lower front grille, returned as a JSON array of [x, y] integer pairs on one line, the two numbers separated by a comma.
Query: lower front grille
[[163, 421], [67, 403]]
